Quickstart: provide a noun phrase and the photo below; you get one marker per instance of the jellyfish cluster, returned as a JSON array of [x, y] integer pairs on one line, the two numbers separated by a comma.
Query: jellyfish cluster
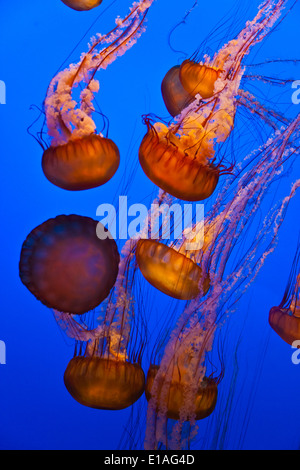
[[68, 267]]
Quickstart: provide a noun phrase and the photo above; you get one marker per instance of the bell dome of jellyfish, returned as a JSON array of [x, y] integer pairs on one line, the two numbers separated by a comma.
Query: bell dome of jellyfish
[[285, 323], [198, 78], [66, 266], [79, 158], [285, 319], [169, 271], [183, 82], [170, 163], [80, 164], [82, 5], [104, 383], [205, 398]]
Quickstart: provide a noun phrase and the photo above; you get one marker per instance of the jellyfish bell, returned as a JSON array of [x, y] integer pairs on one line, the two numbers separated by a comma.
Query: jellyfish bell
[[175, 97], [285, 324], [205, 398], [285, 319], [184, 82], [82, 163], [197, 78], [177, 165], [104, 383], [82, 5], [66, 266], [169, 271]]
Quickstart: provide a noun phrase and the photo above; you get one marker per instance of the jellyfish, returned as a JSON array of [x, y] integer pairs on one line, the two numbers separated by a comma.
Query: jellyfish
[[66, 266], [178, 388], [199, 79], [170, 271], [205, 399], [285, 319], [103, 383], [173, 266], [79, 158], [174, 164], [82, 5], [178, 92], [180, 158], [183, 82], [209, 78], [81, 164]]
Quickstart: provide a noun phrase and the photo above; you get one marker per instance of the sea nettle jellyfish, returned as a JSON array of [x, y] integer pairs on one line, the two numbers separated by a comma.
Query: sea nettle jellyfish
[[66, 266], [170, 271], [181, 158], [204, 399], [183, 82], [285, 319], [80, 158], [173, 266], [82, 5]]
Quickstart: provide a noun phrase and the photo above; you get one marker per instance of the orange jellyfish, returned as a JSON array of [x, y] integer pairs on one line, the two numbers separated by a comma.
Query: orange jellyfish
[[173, 267], [180, 161], [178, 389], [205, 399], [79, 158], [82, 5], [103, 383], [285, 319], [66, 266], [81, 163], [181, 158], [170, 271], [210, 78], [199, 79], [183, 82]]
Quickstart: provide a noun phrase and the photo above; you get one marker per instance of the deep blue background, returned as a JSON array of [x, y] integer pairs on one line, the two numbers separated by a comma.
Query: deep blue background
[[36, 37]]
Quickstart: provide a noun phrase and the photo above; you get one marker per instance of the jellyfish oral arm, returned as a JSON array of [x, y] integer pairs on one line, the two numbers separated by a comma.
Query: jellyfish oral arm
[[75, 330], [65, 120], [229, 58]]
